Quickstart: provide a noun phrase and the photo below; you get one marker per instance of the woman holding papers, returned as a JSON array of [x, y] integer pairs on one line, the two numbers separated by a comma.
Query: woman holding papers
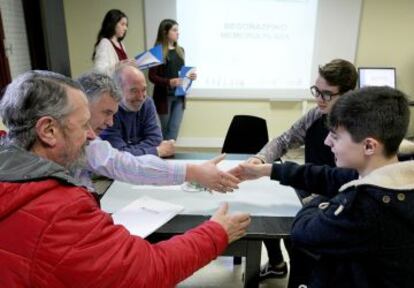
[[109, 49], [170, 105]]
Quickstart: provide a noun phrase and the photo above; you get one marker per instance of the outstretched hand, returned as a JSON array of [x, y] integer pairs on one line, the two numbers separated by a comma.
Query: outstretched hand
[[248, 171], [208, 175], [235, 224]]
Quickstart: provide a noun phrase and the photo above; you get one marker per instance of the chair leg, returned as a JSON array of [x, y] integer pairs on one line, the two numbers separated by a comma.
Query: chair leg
[[237, 260]]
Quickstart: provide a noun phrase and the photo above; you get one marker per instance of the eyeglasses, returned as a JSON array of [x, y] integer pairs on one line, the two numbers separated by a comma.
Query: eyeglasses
[[325, 95]]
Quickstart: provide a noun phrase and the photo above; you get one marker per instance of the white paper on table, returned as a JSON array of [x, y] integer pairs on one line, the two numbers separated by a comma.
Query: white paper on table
[[145, 215]]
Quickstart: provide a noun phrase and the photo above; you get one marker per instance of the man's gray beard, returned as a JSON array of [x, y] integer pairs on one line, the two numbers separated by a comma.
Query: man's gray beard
[[80, 162], [128, 108]]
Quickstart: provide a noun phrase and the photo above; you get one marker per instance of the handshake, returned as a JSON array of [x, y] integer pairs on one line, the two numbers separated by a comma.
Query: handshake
[[209, 176]]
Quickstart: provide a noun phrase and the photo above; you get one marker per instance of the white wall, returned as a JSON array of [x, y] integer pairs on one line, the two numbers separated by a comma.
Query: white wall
[[84, 21]]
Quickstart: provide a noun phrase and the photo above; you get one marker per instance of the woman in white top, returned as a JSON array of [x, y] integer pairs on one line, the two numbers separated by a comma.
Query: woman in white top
[[109, 49]]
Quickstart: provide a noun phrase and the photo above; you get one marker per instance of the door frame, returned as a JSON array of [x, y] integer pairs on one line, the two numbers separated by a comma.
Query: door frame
[[5, 76]]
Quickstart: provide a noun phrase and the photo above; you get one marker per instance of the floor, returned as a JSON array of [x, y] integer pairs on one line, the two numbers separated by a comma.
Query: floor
[[222, 273]]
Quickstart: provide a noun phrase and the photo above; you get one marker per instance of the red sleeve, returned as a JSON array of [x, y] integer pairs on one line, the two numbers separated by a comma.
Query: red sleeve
[[83, 248], [154, 76]]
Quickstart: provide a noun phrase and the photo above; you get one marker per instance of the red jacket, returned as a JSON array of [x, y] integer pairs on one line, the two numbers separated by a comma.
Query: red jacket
[[53, 234]]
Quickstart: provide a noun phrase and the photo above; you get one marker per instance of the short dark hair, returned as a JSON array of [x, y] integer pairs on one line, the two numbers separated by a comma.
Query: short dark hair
[[340, 73], [378, 112]]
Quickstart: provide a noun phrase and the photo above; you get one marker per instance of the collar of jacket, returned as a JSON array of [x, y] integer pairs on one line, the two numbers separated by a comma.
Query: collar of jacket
[[398, 176], [19, 165]]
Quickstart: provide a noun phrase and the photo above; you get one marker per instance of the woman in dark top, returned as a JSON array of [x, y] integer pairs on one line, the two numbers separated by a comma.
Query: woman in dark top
[[109, 49], [170, 107]]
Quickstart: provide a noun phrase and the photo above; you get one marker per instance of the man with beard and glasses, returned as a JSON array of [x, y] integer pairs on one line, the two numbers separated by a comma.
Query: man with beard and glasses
[[53, 233]]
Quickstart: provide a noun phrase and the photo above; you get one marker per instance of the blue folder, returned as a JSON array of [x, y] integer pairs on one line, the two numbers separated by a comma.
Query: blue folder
[[184, 74], [150, 58]]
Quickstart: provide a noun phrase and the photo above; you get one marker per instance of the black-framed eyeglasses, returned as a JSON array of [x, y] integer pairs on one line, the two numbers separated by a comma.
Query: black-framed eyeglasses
[[325, 95]]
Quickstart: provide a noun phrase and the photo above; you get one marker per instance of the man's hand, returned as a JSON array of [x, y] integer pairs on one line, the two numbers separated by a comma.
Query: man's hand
[[248, 171], [166, 148], [234, 224], [254, 160], [209, 176]]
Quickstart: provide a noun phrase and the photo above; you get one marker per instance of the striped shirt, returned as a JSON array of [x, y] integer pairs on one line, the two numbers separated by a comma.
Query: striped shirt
[[103, 159]]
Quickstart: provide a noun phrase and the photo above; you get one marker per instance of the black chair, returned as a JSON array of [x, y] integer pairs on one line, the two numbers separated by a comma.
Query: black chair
[[405, 156], [246, 135]]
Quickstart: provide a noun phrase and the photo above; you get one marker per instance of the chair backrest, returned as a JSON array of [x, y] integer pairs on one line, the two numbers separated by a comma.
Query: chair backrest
[[246, 135], [405, 156]]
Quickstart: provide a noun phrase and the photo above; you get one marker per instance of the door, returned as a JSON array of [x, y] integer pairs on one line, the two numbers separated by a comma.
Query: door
[[5, 77]]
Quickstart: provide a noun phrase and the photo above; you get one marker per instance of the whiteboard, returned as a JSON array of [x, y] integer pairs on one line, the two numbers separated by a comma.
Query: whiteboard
[[258, 67]]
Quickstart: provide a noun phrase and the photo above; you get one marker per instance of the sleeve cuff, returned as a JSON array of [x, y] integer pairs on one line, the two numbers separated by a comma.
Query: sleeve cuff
[[219, 234], [260, 157], [276, 173]]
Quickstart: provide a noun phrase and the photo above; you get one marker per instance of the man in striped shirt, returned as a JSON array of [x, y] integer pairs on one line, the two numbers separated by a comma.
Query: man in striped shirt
[[101, 158]]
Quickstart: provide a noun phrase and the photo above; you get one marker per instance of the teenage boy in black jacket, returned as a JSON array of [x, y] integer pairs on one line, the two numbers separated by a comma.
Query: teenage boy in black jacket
[[359, 230]]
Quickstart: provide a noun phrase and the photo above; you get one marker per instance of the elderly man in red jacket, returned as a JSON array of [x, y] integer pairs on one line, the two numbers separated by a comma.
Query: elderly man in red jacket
[[53, 233]]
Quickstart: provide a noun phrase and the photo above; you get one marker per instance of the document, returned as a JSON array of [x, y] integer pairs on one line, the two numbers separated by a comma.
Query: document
[[145, 215], [150, 58], [184, 74]]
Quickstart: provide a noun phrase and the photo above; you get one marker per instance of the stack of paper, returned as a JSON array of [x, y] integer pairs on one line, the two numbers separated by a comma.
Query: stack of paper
[[150, 58], [145, 215]]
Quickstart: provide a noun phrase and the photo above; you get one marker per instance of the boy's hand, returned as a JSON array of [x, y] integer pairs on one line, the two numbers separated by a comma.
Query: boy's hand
[[254, 160], [248, 171]]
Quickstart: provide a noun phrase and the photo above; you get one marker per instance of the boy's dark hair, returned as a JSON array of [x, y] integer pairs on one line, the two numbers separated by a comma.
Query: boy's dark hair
[[378, 112], [340, 73]]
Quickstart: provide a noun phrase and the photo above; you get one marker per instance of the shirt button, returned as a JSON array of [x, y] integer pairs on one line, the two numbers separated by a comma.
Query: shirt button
[[401, 196], [386, 199], [323, 205]]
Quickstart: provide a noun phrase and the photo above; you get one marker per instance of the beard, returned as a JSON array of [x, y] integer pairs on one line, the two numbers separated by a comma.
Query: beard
[[80, 161], [131, 108], [74, 160]]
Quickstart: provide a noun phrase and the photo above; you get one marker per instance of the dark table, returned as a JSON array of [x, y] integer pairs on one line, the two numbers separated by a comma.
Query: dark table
[[262, 227]]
